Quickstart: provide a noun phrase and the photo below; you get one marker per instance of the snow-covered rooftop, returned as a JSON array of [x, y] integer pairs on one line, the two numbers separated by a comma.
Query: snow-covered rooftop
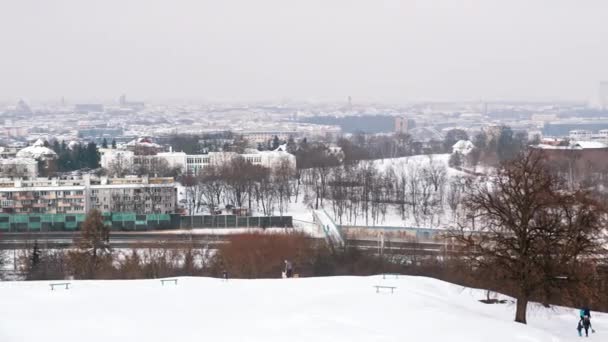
[[463, 147], [37, 151]]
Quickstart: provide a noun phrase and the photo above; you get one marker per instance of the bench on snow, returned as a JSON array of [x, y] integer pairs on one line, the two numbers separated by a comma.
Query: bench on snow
[[396, 275], [174, 280], [378, 287], [52, 285]]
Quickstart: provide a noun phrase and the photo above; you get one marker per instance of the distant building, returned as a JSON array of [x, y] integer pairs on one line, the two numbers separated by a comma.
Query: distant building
[[401, 124], [18, 167], [23, 108], [265, 136], [543, 118], [143, 146], [578, 159], [580, 134], [122, 100], [112, 159], [268, 159], [37, 151], [13, 131]]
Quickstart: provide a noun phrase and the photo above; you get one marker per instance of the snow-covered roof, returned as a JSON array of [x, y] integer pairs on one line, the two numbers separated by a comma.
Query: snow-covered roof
[[72, 144], [463, 147], [590, 144], [574, 145], [145, 142], [281, 148], [37, 151]]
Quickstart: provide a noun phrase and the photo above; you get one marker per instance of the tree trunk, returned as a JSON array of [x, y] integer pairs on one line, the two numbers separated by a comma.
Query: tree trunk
[[520, 313]]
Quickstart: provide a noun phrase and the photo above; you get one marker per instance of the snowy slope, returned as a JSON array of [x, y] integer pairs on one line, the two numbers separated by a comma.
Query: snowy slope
[[305, 309]]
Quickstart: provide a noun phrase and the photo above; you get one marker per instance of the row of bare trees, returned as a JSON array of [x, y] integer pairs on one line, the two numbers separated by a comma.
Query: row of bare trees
[[418, 189], [240, 184]]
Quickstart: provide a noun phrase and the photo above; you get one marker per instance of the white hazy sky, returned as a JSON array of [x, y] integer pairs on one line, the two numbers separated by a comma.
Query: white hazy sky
[[396, 51]]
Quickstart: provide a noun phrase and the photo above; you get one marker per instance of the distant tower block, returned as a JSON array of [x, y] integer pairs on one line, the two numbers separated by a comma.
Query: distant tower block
[[122, 100], [350, 102], [401, 124], [604, 95]]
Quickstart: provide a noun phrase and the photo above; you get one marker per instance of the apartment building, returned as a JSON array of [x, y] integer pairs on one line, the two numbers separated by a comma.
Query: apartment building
[[77, 195]]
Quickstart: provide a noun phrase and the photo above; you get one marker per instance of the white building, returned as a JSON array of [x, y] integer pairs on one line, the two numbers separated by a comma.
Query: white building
[[112, 159], [580, 134], [268, 159]]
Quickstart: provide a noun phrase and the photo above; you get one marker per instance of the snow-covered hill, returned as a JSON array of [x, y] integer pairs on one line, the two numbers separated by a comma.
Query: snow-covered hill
[[305, 309]]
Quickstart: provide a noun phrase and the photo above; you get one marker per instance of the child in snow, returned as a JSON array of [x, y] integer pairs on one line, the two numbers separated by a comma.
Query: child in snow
[[579, 327]]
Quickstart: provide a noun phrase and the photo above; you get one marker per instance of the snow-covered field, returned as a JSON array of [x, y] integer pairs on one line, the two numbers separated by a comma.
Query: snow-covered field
[[306, 309]]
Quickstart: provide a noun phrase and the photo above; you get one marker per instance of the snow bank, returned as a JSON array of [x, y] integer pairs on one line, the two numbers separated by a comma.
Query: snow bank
[[305, 309]]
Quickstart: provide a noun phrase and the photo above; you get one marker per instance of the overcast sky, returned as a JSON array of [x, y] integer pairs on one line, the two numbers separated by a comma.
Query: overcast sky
[[397, 51]]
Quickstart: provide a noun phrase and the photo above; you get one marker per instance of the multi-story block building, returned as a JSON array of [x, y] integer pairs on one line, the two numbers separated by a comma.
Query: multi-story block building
[[77, 195]]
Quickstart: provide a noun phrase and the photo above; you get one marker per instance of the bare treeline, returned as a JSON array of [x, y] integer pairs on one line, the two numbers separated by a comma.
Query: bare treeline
[[418, 189], [240, 184]]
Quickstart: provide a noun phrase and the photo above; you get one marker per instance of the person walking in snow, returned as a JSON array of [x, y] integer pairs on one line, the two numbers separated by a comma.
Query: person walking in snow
[[288, 269], [579, 327]]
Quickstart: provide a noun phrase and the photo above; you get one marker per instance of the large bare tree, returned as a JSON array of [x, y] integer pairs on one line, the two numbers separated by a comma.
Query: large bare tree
[[93, 247], [534, 233]]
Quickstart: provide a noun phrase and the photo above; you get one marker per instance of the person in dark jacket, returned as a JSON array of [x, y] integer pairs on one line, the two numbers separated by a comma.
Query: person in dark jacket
[[288, 269], [585, 312]]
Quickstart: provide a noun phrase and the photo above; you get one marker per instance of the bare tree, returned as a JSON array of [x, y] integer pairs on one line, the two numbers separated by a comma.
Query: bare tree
[[534, 233], [119, 166], [212, 187], [93, 247]]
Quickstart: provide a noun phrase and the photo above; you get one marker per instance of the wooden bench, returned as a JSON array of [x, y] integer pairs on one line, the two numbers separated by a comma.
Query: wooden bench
[[390, 274], [174, 280], [67, 285], [378, 287]]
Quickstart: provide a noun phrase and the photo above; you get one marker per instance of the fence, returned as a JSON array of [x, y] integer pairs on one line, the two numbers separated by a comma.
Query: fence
[[137, 222], [233, 221]]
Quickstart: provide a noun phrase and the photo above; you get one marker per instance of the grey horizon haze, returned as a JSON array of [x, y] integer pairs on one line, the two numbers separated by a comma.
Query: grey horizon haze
[[229, 50]]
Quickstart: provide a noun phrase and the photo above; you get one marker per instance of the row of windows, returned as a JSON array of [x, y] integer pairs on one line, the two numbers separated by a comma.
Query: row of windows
[[254, 159], [195, 160]]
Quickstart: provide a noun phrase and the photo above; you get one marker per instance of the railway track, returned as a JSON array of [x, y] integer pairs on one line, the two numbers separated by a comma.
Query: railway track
[[117, 240]]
